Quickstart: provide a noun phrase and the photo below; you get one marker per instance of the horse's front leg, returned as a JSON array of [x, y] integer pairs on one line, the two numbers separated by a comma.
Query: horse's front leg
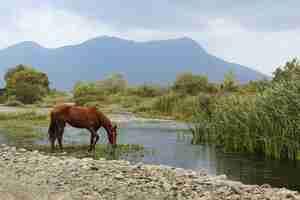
[[91, 140], [52, 141]]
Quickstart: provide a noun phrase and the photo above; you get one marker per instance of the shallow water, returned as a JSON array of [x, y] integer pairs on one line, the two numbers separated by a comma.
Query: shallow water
[[166, 143]]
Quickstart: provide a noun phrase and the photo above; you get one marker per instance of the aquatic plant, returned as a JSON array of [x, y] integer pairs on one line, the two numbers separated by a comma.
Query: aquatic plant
[[266, 123]]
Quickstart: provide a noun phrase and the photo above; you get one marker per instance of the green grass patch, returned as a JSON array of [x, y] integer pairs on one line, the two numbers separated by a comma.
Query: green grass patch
[[23, 125]]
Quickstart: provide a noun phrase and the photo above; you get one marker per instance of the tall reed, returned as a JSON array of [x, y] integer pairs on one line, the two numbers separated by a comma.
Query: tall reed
[[266, 123]]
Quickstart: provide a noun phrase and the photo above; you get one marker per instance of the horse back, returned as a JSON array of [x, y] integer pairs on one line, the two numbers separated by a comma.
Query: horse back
[[77, 116]]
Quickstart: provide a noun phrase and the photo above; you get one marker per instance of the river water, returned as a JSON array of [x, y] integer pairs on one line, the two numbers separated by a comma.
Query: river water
[[166, 143]]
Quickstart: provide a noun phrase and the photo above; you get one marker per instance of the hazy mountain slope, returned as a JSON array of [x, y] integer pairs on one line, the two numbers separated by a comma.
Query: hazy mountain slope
[[139, 62]]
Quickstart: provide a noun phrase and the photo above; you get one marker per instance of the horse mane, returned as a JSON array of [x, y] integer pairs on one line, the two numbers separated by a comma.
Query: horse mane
[[105, 121]]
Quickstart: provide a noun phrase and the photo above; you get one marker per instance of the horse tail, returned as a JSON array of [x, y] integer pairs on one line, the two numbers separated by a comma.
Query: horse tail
[[53, 127]]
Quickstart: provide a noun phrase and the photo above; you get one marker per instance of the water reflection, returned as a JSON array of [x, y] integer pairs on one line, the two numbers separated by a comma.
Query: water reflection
[[258, 170]]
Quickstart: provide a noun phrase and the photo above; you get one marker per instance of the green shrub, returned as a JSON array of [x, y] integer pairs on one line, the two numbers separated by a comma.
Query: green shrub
[[190, 84], [85, 92], [146, 90], [165, 104]]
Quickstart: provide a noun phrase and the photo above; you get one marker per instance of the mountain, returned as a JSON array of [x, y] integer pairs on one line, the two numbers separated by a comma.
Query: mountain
[[140, 62]]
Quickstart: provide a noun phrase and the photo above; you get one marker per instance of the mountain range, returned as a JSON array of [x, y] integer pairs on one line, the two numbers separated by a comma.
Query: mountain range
[[156, 62]]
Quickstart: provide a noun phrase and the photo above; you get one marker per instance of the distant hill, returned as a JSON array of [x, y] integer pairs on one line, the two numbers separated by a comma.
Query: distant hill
[[140, 62]]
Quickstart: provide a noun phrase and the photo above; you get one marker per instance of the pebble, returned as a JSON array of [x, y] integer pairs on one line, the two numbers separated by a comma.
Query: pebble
[[66, 177]]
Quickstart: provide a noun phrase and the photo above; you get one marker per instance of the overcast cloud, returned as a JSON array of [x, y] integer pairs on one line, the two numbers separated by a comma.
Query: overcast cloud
[[260, 34]]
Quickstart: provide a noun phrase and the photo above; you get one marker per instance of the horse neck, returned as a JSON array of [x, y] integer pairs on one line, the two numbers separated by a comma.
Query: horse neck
[[104, 121]]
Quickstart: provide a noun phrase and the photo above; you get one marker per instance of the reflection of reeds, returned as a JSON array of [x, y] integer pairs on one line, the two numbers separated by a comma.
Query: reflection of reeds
[[266, 123], [184, 137]]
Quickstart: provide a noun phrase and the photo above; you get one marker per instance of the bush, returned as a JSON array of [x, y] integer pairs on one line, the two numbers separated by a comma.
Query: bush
[[146, 91], [85, 92], [114, 84], [188, 83]]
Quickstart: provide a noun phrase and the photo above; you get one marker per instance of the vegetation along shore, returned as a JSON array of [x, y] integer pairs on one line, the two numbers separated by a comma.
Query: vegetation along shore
[[258, 117]]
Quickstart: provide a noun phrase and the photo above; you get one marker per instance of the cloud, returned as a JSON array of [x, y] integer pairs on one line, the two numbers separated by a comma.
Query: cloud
[[261, 34], [261, 50], [49, 26], [190, 15]]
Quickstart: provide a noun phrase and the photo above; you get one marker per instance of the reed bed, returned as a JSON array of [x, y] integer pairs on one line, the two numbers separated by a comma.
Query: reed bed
[[267, 123]]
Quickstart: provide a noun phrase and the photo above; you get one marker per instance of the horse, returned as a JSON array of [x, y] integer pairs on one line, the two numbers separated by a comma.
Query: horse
[[79, 117]]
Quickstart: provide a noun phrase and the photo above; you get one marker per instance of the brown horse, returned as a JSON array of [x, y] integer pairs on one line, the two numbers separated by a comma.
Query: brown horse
[[80, 117]]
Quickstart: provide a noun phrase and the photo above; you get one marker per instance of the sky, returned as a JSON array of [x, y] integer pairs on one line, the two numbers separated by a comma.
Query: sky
[[261, 34]]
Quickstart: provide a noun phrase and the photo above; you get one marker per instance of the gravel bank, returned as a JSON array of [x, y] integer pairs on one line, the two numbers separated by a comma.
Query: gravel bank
[[33, 175]]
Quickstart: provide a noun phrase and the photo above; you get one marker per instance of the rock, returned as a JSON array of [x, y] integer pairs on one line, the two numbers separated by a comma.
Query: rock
[[35, 152], [138, 165], [85, 167], [167, 186], [221, 177], [265, 186], [22, 150], [236, 189], [119, 177], [94, 168], [13, 149], [86, 159]]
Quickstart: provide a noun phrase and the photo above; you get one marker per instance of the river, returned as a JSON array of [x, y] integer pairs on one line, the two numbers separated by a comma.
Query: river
[[167, 143]]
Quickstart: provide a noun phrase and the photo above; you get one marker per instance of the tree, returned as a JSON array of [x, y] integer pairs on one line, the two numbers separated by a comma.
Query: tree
[[254, 87], [115, 83], [11, 71], [26, 84], [188, 83], [290, 71], [230, 84], [146, 90], [87, 92]]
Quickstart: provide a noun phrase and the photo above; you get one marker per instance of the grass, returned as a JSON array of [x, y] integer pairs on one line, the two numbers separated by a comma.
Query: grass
[[22, 125]]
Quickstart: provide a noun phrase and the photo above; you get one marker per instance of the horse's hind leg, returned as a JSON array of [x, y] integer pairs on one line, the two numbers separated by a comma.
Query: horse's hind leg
[[60, 134], [93, 139], [96, 140]]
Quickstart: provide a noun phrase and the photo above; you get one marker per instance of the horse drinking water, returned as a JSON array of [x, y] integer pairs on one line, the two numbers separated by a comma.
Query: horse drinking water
[[79, 117]]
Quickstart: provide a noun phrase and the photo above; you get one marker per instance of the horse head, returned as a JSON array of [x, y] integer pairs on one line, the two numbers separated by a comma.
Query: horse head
[[112, 134]]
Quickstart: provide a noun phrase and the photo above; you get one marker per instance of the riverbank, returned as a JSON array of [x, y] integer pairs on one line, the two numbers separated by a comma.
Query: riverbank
[[34, 175], [116, 116]]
